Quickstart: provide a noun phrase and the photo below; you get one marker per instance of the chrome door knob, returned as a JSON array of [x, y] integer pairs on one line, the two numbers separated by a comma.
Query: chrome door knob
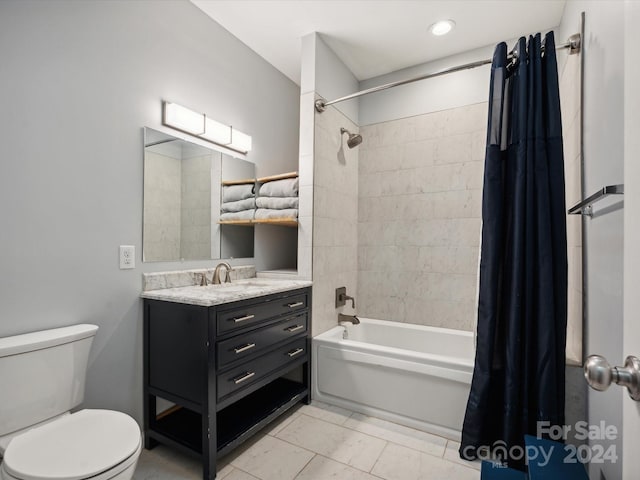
[[597, 371], [599, 374]]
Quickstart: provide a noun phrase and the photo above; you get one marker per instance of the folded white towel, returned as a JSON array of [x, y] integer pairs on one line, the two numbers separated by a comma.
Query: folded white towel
[[267, 213], [287, 187], [233, 193], [277, 202], [246, 204], [243, 215]]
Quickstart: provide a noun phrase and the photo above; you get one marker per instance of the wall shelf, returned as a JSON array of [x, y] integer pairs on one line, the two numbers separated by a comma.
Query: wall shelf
[[285, 222], [239, 223], [280, 176], [245, 181]]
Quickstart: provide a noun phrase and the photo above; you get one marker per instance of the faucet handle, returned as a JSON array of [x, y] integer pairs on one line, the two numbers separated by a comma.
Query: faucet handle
[[228, 278], [353, 301], [203, 280], [342, 297]]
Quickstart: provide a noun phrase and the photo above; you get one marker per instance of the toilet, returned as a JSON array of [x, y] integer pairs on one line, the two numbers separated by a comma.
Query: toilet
[[42, 375]]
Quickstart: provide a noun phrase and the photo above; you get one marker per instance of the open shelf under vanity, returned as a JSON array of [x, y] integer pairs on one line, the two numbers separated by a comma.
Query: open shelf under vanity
[[235, 423]]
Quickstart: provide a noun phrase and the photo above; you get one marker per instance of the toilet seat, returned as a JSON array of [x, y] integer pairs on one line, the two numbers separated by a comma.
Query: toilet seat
[[90, 443]]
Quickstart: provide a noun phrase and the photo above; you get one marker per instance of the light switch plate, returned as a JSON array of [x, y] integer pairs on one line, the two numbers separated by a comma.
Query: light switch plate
[[127, 257]]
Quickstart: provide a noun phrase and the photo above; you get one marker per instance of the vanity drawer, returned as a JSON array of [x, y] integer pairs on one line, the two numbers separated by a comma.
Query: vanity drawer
[[248, 344], [253, 370], [252, 314]]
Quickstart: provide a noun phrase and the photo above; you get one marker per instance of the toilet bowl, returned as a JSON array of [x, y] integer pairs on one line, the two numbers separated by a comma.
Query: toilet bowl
[[95, 444]]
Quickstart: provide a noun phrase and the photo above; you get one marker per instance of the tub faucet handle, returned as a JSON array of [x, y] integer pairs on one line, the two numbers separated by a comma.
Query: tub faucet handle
[[342, 297], [353, 301]]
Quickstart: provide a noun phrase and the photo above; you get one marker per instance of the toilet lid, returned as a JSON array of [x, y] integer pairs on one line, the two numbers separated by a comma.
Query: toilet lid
[[77, 446]]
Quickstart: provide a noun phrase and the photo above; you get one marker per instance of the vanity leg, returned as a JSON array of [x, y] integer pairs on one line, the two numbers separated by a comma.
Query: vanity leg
[[149, 421], [209, 453], [306, 374], [149, 416], [209, 417]]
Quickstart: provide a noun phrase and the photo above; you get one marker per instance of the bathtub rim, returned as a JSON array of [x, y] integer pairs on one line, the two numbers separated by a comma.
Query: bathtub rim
[[334, 336], [402, 325]]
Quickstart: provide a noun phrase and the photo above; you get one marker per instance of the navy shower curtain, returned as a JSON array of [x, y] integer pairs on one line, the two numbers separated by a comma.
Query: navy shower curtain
[[518, 378]]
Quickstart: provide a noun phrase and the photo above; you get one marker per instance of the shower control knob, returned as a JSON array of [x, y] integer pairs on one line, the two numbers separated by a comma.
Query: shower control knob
[[599, 374]]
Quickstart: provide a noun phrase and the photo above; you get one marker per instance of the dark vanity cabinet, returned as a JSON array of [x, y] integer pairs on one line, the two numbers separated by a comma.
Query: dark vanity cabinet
[[227, 369]]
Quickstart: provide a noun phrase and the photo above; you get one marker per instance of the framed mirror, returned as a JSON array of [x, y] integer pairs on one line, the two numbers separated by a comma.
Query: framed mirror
[[182, 196]]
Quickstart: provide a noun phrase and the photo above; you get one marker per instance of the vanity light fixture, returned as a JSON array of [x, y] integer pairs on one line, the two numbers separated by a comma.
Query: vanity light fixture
[[198, 124], [240, 141], [216, 132], [183, 119], [442, 27]]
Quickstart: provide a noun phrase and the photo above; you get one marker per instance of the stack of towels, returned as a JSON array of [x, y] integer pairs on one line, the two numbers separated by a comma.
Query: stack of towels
[[238, 202], [278, 199]]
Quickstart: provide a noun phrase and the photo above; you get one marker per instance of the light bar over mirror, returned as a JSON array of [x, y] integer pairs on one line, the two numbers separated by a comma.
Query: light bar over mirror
[[199, 125]]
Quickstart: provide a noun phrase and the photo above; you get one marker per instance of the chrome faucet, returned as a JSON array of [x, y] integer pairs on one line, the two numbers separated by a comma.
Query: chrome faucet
[[216, 274], [348, 318]]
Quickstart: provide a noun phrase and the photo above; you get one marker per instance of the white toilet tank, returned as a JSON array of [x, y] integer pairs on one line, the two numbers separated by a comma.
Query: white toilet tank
[[42, 374]]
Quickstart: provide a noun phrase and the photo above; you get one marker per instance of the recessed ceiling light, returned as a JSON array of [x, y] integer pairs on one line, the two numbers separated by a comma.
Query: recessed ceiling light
[[442, 27]]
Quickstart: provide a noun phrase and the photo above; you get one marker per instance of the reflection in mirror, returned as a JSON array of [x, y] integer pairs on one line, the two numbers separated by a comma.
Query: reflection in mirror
[[236, 241], [182, 200]]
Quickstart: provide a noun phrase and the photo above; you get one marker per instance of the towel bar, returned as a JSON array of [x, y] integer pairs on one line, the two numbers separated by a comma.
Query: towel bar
[[584, 207]]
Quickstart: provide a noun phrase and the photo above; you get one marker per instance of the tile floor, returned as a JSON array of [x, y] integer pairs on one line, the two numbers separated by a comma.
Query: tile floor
[[323, 442]]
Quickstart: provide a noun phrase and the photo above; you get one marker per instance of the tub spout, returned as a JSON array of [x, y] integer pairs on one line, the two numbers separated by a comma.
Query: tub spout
[[348, 318]]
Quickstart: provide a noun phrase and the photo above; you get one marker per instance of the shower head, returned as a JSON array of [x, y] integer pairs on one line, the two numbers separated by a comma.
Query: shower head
[[354, 139]]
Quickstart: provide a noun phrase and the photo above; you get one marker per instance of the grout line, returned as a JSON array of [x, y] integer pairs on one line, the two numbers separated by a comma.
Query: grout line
[[378, 459], [319, 454], [305, 465], [243, 471], [228, 473], [446, 445], [387, 442]]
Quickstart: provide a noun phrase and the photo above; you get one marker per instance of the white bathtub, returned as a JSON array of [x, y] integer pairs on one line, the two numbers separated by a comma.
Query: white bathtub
[[409, 374]]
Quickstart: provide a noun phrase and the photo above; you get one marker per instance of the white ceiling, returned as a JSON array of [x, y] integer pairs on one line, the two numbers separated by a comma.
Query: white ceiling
[[374, 37]]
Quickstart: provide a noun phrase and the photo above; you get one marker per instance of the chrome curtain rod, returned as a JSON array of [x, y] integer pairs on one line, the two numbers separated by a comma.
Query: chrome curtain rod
[[573, 44]]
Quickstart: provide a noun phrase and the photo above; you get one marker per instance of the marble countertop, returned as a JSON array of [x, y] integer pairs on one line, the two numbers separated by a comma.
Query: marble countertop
[[225, 293]]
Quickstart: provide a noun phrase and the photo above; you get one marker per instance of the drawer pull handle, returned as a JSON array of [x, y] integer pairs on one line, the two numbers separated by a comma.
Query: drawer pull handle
[[295, 328], [244, 377], [294, 305], [242, 319], [244, 348], [295, 352]]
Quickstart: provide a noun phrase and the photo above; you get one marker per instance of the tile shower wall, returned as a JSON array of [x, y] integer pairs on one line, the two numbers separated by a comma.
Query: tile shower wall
[[569, 78], [196, 208], [162, 186], [419, 210], [335, 217]]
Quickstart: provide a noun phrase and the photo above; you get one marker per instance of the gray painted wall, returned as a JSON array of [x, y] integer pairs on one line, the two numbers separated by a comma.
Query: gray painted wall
[[603, 165], [459, 89], [78, 81], [324, 73]]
